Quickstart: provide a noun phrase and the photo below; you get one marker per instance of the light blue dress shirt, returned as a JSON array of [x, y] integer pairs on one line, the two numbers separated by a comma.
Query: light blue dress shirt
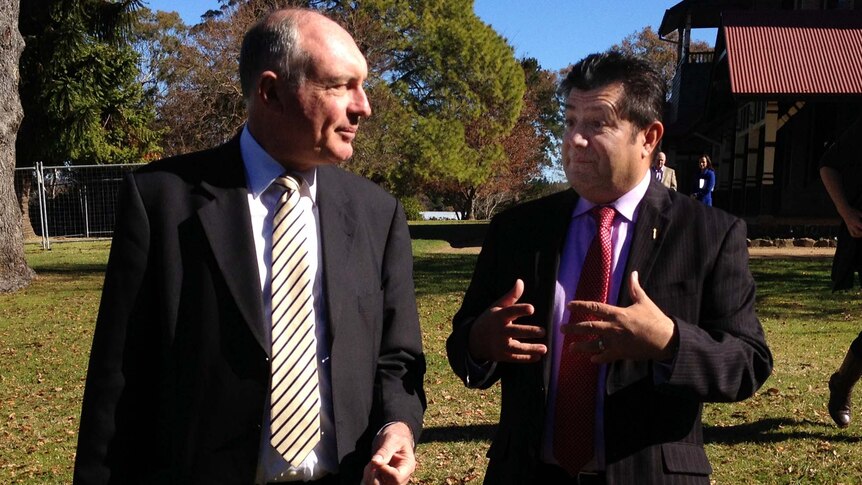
[[261, 170]]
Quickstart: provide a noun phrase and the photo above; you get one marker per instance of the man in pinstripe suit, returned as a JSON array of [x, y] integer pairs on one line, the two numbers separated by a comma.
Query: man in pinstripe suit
[[678, 327]]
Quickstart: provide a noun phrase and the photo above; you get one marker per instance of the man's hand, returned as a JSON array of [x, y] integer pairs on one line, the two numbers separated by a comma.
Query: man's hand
[[495, 337], [853, 218], [638, 332], [393, 460]]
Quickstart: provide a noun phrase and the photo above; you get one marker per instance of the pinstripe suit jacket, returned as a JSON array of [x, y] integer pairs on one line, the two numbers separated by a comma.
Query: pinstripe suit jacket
[[693, 263]]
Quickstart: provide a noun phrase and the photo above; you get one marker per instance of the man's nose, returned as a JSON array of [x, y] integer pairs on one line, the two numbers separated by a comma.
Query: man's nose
[[577, 139], [360, 105]]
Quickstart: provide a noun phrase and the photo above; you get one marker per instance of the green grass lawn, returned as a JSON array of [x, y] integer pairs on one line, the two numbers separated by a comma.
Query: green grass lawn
[[782, 435]]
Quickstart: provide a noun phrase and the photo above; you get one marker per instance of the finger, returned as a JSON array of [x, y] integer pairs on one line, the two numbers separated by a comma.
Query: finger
[[514, 312], [512, 296], [520, 358], [385, 451], [590, 327], [369, 474], [635, 291], [516, 347], [602, 311], [525, 331]]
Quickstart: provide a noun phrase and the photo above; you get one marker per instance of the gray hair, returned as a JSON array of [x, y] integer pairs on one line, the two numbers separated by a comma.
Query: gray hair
[[273, 45]]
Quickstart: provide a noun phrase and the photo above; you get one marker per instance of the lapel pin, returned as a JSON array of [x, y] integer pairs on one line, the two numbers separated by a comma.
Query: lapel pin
[[654, 233]]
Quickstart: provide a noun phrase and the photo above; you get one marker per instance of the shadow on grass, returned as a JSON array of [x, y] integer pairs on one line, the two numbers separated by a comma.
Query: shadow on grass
[[443, 273], [450, 434], [458, 234], [771, 430], [67, 269]]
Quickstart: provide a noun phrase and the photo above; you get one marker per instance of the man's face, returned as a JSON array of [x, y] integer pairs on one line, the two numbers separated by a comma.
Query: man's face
[[604, 156], [660, 160], [322, 115]]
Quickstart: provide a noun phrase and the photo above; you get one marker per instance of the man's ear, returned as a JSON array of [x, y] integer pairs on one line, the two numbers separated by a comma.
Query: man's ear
[[652, 136], [267, 90]]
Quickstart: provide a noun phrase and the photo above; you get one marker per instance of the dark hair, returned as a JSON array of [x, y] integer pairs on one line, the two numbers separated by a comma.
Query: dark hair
[[271, 44], [708, 161], [643, 97]]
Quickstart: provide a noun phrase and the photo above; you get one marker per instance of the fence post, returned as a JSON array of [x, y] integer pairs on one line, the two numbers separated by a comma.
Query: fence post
[[83, 194], [43, 208]]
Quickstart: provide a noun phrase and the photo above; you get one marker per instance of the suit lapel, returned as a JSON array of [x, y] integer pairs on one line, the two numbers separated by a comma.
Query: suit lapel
[[227, 224], [649, 234], [337, 227]]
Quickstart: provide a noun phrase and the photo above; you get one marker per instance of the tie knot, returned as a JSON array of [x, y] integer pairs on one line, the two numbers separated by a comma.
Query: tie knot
[[289, 182], [604, 215]]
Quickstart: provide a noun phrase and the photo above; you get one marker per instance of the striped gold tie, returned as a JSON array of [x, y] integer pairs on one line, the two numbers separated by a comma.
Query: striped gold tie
[[295, 408]]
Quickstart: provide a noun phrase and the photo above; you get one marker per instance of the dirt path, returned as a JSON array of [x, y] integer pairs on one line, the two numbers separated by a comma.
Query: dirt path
[[791, 252]]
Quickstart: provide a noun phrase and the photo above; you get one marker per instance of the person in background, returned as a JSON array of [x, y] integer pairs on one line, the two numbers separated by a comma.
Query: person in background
[[606, 326], [663, 173], [841, 172], [258, 322], [705, 181]]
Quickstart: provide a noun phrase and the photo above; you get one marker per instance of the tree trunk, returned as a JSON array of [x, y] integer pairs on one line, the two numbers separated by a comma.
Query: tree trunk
[[14, 272], [23, 186]]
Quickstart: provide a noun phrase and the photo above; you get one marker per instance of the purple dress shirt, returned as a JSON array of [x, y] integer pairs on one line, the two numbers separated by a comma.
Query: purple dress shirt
[[582, 230]]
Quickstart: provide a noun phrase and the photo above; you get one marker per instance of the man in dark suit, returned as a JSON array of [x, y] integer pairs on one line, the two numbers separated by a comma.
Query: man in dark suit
[[674, 326], [841, 172], [178, 387]]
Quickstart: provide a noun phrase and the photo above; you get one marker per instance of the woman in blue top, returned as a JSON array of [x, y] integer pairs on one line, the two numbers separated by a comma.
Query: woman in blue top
[[705, 181]]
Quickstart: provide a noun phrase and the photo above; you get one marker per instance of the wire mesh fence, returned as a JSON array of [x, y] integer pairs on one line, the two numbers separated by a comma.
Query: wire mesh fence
[[69, 201]]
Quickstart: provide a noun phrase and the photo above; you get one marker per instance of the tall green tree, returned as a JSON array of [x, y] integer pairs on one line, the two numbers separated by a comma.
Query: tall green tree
[[82, 99], [531, 147], [457, 90]]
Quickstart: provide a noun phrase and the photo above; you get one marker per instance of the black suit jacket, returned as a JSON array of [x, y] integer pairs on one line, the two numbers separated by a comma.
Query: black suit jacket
[[693, 263], [179, 369]]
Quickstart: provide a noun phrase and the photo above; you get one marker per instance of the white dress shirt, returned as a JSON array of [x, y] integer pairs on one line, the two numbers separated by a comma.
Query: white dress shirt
[[261, 170]]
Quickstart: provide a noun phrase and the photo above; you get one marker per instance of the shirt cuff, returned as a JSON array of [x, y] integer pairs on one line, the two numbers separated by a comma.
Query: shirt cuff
[[390, 423], [478, 374]]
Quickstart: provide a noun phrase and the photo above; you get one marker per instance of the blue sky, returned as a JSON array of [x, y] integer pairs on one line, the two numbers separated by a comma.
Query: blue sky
[[556, 32]]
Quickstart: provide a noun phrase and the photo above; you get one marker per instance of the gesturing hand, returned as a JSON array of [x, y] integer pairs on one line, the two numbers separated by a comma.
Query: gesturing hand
[[496, 337], [638, 332], [393, 461]]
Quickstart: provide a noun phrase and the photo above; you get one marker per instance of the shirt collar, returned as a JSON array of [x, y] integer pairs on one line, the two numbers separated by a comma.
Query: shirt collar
[[625, 206], [261, 169]]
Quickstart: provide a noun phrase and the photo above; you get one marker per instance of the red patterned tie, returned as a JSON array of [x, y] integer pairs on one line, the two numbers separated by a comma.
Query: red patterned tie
[[576, 385]]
